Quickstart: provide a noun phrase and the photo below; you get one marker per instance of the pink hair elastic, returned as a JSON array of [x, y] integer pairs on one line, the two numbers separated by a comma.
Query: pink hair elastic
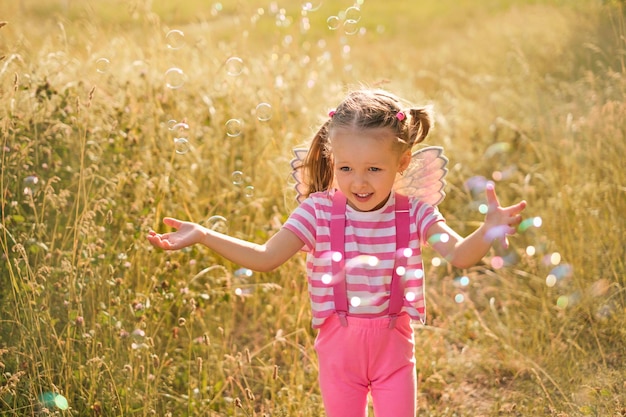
[[400, 116], [331, 114]]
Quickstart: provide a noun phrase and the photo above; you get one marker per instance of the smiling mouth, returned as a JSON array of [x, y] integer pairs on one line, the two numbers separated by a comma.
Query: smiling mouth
[[364, 195]]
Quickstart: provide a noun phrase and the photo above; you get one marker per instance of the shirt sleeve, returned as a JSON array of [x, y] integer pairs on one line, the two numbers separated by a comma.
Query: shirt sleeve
[[426, 215], [302, 222]]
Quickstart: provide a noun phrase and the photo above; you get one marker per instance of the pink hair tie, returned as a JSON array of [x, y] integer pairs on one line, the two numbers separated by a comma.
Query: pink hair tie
[[331, 114], [400, 116]]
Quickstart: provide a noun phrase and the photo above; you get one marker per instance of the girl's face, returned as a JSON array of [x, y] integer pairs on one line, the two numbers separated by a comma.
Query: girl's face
[[366, 163]]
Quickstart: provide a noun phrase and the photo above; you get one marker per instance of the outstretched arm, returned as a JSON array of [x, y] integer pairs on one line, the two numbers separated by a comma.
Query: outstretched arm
[[259, 257], [465, 252]]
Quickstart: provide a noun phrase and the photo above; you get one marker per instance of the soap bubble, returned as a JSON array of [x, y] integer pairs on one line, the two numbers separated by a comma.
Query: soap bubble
[[102, 65], [353, 13], [237, 177], [31, 183], [248, 191], [174, 78], [462, 281], [180, 130], [530, 222], [332, 22], [181, 145], [459, 298], [355, 301], [217, 223], [234, 66], [350, 27], [175, 39], [51, 400], [243, 273], [311, 6], [264, 112], [233, 127]]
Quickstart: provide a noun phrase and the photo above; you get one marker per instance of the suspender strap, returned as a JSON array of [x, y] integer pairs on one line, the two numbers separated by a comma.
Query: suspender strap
[[396, 298], [337, 246]]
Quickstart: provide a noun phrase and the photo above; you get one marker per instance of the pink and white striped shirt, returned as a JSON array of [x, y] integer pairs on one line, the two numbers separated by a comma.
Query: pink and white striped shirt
[[370, 245]]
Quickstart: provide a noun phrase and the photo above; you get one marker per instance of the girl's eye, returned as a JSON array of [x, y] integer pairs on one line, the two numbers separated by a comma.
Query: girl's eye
[[374, 169], [345, 169]]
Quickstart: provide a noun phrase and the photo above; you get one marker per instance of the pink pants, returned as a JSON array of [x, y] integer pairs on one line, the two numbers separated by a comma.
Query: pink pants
[[367, 356]]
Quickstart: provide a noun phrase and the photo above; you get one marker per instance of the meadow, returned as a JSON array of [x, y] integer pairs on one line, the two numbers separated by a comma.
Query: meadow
[[115, 114]]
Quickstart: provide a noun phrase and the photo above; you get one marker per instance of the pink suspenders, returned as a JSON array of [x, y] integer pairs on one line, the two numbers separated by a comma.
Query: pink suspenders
[[337, 245]]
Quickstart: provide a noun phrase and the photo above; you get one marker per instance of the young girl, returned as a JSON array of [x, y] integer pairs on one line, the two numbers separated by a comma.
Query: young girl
[[362, 239]]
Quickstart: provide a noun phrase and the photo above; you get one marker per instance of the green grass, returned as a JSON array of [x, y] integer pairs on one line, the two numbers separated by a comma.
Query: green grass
[[534, 90]]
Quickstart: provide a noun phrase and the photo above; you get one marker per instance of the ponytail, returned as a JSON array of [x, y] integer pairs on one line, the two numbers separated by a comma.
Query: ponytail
[[318, 164], [419, 124]]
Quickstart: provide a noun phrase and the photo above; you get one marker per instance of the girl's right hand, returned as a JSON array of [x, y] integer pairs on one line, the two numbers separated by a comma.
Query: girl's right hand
[[187, 234]]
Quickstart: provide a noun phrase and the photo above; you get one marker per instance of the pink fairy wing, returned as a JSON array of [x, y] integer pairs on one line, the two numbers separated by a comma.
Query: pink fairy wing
[[296, 173], [424, 178]]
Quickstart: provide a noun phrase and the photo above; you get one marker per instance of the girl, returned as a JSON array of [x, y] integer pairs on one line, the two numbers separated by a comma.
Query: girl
[[362, 239]]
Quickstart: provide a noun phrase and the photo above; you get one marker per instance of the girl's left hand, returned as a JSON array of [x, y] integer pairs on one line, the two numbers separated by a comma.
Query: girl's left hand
[[501, 221]]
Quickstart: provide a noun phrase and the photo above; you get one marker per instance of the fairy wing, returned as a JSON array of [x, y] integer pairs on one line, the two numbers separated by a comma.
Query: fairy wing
[[296, 173], [424, 178]]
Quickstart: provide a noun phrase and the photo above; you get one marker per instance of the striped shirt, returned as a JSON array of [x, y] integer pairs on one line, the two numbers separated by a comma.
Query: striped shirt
[[370, 245]]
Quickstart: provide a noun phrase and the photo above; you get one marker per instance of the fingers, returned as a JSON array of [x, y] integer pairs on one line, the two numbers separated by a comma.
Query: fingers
[[172, 222], [492, 198]]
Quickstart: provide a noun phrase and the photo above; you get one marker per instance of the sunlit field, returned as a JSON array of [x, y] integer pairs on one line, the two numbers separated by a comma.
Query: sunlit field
[[114, 114]]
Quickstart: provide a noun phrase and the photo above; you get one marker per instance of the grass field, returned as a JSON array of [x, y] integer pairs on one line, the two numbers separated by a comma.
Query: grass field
[[94, 321]]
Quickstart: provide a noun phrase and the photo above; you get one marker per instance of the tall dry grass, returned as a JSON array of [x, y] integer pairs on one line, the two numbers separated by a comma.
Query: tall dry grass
[[531, 94]]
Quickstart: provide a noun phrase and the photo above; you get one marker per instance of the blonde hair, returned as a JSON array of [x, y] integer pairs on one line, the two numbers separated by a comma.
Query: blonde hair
[[363, 109]]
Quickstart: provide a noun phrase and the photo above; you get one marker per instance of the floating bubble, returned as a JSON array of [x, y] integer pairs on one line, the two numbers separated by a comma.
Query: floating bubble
[[233, 127], [234, 66], [171, 123], [237, 177], [419, 273], [31, 183], [337, 256], [407, 252], [217, 223], [400, 271], [462, 281], [353, 13], [311, 6], [496, 148], [174, 78], [52, 399], [355, 301], [264, 112], [238, 291], [531, 250], [530, 222], [175, 39], [459, 298], [551, 280], [180, 130], [476, 185], [552, 259], [497, 232], [248, 191], [497, 262], [102, 65], [562, 302], [350, 27], [181, 146], [436, 261], [410, 296], [439, 237], [483, 208], [327, 279], [243, 272], [333, 22], [562, 271]]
